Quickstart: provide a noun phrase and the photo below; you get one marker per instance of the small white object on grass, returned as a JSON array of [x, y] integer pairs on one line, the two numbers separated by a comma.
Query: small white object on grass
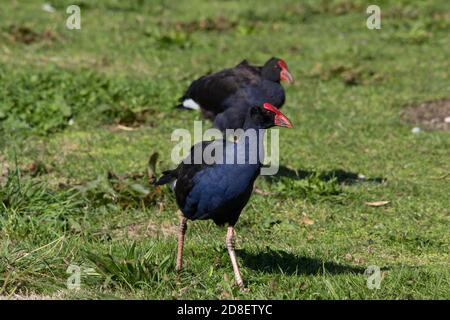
[[447, 120], [377, 203], [47, 7], [416, 130]]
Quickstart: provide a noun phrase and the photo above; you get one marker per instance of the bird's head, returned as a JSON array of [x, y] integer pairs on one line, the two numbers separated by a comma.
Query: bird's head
[[267, 116], [276, 69]]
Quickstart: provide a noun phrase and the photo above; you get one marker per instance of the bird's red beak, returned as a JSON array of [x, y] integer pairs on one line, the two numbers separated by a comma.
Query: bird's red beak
[[285, 75], [280, 119]]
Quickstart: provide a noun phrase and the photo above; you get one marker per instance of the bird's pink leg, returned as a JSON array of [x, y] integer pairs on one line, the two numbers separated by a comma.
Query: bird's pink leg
[[181, 233], [230, 247]]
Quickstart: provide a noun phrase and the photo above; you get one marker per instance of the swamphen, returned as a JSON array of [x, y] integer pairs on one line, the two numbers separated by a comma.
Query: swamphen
[[225, 96], [216, 179]]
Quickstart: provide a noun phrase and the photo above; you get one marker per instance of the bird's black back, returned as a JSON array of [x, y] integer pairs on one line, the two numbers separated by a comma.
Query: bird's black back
[[225, 96], [210, 91]]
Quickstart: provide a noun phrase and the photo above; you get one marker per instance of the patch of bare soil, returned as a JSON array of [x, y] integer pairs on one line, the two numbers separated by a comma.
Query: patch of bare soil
[[4, 166], [431, 115], [26, 35], [218, 24], [350, 75]]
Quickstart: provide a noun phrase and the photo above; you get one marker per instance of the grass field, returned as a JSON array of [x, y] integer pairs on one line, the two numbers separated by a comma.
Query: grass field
[[82, 111]]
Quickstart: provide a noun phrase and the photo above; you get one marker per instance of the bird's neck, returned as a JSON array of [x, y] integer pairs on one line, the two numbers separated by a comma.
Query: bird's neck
[[267, 75], [250, 145]]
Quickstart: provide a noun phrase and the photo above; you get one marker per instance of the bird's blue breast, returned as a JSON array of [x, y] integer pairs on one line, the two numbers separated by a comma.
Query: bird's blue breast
[[219, 185], [216, 187]]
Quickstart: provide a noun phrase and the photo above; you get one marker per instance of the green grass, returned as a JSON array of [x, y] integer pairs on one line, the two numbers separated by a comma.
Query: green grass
[[75, 189]]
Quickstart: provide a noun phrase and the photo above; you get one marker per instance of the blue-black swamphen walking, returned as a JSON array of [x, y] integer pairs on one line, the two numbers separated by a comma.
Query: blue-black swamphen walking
[[216, 179], [225, 96]]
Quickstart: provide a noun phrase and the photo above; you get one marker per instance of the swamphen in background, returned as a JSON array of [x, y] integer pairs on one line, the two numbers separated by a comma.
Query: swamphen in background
[[218, 187], [224, 97]]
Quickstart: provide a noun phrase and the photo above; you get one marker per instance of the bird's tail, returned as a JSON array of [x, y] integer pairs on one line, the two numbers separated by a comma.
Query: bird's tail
[[187, 104], [168, 176]]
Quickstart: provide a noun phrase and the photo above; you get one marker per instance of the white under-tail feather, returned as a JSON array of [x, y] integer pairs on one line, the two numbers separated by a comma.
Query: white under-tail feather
[[191, 104]]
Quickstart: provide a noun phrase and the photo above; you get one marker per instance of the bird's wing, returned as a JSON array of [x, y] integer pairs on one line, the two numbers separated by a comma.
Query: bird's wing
[[188, 168], [245, 64], [211, 91], [202, 188]]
